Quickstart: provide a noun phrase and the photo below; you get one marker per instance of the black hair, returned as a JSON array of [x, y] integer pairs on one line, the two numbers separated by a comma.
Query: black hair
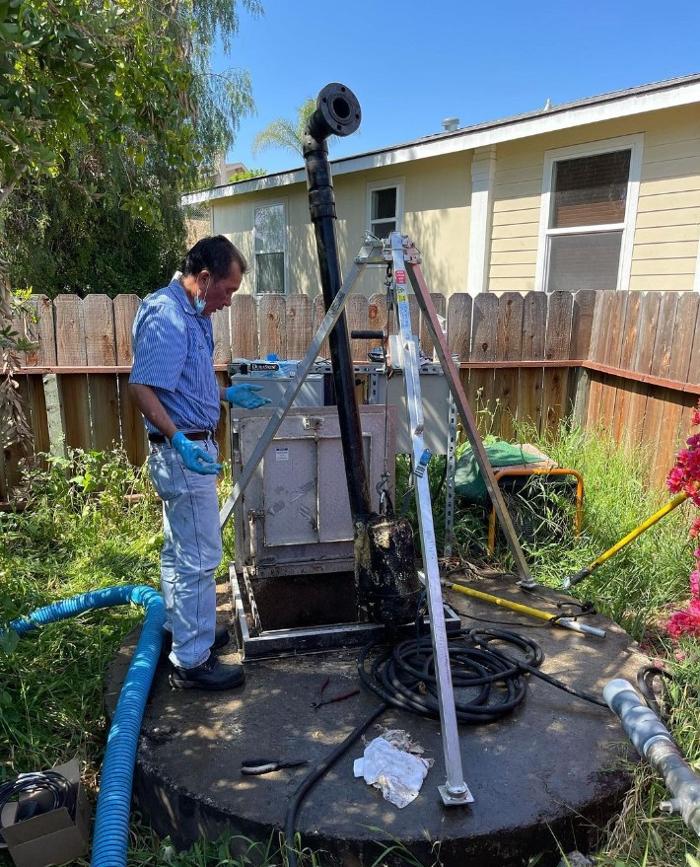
[[215, 254]]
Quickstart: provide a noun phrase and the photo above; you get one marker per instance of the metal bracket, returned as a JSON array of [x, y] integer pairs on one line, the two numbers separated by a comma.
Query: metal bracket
[[455, 798], [312, 422]]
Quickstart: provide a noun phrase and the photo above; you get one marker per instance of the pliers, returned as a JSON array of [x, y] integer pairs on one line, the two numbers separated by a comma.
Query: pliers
[[257, 767]]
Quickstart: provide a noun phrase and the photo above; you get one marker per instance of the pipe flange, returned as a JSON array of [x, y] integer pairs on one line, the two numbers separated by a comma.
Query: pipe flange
[[337, 110]]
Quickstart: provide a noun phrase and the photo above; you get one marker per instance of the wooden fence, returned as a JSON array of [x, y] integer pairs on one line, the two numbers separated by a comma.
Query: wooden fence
[[629, 362]]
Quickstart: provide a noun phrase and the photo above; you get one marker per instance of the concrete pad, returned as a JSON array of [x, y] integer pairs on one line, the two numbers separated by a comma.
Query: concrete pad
[[549, 772]]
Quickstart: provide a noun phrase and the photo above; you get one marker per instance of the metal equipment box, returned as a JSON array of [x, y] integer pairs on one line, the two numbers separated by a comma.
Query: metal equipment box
[[438, 408], [273, 377], [294, 516], [293, 580]]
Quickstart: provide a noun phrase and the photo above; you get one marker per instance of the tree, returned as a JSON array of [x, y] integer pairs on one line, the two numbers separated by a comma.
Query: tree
[[286, 134], [107, 111], [126, 78]]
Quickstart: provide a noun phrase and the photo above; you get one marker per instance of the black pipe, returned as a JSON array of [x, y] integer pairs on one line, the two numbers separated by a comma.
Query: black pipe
[[386, 579], [337, 113]]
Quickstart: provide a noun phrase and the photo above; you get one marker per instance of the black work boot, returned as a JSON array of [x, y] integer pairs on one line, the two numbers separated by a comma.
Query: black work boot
[[221, 639], [211, 674]]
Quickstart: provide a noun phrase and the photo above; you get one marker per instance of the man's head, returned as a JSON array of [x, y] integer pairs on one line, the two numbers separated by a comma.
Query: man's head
[[212, 271]]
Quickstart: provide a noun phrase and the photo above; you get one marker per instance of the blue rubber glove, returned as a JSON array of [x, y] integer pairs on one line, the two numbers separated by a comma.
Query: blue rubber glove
[[194, 457], [245, 396]]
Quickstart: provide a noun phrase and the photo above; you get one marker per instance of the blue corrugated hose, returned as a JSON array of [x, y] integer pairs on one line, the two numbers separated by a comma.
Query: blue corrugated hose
[[111, 835]]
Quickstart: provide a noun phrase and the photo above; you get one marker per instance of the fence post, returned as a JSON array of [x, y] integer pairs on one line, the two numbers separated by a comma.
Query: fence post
[[483, 348], [557, 346], [100, 351], [54, 416], [130, 420], [509, 343], [581, 330], [529, 403]]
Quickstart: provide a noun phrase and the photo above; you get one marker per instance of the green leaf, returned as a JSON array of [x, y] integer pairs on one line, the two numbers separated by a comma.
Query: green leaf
[[9, 640]]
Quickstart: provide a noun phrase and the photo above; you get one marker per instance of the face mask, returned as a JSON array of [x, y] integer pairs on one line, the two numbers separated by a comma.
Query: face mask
[[201, 302]]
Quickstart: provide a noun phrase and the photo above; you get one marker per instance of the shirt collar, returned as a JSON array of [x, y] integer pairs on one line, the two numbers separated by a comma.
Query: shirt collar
[[179, 292]]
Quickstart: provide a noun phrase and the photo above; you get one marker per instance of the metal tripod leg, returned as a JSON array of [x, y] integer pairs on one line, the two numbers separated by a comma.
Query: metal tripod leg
[[455, 791], [428, 309], [294, 386]]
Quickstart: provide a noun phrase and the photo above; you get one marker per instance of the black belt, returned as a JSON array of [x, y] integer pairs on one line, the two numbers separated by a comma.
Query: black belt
[[191, 435]]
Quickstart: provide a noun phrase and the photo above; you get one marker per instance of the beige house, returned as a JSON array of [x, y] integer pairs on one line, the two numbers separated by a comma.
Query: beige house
[[599, 193]]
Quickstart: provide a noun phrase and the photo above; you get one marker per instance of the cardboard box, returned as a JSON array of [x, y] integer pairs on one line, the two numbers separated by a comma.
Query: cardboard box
[[50, 838]]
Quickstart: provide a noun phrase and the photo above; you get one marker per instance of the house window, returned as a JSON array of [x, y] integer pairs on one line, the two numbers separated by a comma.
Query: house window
[[588, 214], [384, 208], [270, 248]]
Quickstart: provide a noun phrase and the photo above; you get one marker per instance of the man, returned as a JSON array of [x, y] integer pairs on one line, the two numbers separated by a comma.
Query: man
[[174, 385]]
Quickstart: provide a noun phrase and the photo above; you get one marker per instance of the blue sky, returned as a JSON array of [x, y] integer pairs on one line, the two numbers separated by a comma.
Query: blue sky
[[411, 64]]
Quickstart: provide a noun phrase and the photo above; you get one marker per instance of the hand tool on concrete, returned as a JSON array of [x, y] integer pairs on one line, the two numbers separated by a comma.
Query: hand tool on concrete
[[258, 767], [573, 580], [552, 619]]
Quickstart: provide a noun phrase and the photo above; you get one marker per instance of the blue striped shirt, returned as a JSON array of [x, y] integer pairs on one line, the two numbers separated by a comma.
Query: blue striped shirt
[[173, 354]]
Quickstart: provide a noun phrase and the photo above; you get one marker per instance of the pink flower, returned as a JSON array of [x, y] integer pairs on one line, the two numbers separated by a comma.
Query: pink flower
[[686, 622], [685, 476], [675, 480], [695, 584], [680, 655]]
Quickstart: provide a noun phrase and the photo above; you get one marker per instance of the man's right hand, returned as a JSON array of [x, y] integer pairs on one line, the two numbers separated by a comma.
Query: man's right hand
[[194, 457]]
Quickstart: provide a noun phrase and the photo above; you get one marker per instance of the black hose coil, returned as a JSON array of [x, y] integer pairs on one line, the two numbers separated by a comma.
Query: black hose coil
[[404, 676]]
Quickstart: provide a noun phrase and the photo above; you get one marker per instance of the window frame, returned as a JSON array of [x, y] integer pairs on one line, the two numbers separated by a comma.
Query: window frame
[[633, 143], [257, 206], [385, 184]]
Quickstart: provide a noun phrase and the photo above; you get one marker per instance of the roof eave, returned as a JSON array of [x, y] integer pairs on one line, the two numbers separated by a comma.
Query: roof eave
[[627, 104]]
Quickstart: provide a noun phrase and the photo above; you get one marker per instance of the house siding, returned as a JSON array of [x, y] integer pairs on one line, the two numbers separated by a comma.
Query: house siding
[[667, 228], [436, 197], [668, 216]]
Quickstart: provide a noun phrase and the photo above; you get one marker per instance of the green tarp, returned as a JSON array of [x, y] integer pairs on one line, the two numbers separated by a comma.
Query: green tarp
[[469, 483]]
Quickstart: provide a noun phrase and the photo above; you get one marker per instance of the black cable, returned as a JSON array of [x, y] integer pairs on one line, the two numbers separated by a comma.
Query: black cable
[[646, 676], [404, 676], [60, 788], [314, 775], [488, 635], [544, 625]]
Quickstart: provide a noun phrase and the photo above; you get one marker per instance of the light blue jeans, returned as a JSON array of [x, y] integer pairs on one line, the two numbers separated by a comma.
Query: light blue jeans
[[191, 552]]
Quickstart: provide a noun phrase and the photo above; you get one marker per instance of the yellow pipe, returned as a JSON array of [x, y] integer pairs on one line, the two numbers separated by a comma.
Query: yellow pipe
[[606, 555], [502, 603], [555, 620]]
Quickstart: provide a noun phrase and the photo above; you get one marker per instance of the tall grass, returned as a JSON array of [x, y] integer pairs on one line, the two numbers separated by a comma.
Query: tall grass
[[635, 586], [647, 575]]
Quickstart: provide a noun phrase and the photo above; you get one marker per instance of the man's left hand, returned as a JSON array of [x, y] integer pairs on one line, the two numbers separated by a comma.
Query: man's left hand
[[245, 396]]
